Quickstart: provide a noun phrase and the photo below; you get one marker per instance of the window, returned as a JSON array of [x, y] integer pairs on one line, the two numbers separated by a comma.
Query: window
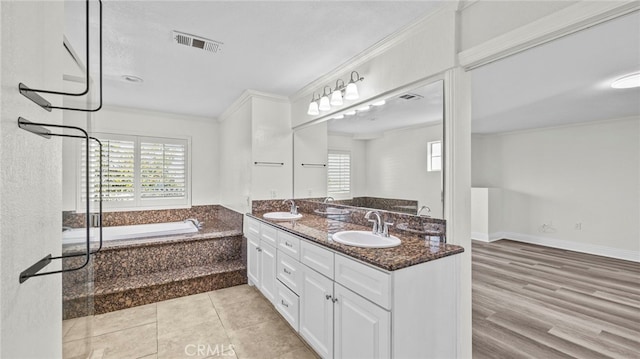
[[339, 173], [434, 156], [138, 172]]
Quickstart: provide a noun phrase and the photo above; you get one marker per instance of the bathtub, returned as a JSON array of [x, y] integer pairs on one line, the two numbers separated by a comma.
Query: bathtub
[[79, 235]]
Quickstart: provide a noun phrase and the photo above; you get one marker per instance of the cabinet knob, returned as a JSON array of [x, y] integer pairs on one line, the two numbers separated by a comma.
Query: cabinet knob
[[286, 271], [334, 300], [284, 303], [259, 249], [288, 244], [328, 296]]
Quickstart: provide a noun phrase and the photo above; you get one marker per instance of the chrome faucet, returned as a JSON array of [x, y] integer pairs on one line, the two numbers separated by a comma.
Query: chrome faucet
[[380, 228], [195, 222], [294, 208], [423, 208], [326, 199]]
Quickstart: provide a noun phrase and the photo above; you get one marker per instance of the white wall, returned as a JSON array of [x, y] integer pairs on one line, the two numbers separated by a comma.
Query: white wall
[[30, 181], [586, 175], [235, 158], [203, 133], [310, 146], [272, 141], [402, 156]]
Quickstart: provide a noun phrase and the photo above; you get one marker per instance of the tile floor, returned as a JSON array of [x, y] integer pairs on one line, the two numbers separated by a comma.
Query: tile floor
[[234, 322]]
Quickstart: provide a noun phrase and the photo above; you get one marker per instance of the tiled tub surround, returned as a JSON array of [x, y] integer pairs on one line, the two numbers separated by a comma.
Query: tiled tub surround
[[130, 273]]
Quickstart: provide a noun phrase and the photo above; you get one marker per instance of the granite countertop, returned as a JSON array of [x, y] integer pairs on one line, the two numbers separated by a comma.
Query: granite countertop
[[413, 249]]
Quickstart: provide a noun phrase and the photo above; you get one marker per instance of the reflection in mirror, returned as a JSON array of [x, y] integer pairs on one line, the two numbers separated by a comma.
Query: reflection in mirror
[[387, 155]]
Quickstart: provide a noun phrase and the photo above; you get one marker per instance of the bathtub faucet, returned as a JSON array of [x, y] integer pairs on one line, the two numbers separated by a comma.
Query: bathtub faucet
[[294, 208], [195, 222]]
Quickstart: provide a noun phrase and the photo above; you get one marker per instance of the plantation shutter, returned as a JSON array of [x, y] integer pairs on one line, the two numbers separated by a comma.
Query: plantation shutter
[[163, 171], [339, 173], [118, 170]]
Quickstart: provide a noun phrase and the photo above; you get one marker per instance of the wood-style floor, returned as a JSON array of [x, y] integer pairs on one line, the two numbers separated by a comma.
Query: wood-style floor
[[538, 302]]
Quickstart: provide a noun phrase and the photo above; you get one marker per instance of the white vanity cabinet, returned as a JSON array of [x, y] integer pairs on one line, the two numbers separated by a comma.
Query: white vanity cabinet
[[345, 308], [261, 258]]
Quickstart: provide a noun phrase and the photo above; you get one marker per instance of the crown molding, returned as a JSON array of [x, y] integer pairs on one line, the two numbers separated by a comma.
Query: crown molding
[[564, 22], [373, 51], [246, 96]]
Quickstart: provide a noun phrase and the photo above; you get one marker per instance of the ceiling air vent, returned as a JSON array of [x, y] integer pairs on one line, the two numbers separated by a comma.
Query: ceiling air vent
[[197, 42], [411, 96]]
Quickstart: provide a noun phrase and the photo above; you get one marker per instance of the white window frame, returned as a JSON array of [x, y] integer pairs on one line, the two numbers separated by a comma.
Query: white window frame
[[431, 156], [341, 194], [138, 203]]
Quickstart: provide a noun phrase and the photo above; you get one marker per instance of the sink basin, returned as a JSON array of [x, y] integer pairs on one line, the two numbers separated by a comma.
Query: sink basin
[[281, 216], [365, 239]]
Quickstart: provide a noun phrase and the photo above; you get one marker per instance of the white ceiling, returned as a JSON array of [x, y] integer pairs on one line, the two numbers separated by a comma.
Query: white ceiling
[[395, 114], [271, 46], [562, 82]]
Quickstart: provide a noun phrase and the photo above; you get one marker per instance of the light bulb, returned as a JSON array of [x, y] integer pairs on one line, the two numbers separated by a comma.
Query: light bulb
[[628, 81], [336, 98], [364, 108], [351, 93], [338, 117], [313, 109], [324, 104], [350, 113], [379, 103]]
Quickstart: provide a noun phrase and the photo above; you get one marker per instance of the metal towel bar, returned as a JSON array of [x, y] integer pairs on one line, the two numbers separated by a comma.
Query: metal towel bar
[[314, 165], [41, 130], [32, 94]]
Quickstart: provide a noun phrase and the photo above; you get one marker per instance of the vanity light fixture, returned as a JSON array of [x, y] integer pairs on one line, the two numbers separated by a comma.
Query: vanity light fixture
[[379, 103], [351, 92], [338, 117], [132, 79], [627, 81], [350, 113], [313, 107], [324, 100], [364, 108], [336, 95]]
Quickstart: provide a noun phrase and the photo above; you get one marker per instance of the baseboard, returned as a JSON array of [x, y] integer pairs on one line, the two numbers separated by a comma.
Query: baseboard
[[484, 237], [599, 250]]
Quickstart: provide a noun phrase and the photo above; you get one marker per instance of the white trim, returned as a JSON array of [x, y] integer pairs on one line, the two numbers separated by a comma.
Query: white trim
[[563, 22], [487, 237], [595, 249], [246, 96], [375, 50]]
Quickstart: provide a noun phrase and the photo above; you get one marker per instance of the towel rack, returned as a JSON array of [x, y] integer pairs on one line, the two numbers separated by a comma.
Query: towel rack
[[32, 94], [41, 130], [259, 163], [314, 165]]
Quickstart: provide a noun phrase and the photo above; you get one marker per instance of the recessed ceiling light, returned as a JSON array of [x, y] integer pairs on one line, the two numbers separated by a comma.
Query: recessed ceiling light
[[364, 108], [132, 79], [628, 81], [379, 103], [350, 113]]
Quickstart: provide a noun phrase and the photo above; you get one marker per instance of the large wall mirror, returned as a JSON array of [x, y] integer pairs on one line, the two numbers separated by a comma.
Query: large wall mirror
[[385, 155]]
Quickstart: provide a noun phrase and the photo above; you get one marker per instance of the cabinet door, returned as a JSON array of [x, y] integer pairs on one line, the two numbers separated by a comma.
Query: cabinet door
[[268, 265], [253, 261], [362, 329], [316, 311]]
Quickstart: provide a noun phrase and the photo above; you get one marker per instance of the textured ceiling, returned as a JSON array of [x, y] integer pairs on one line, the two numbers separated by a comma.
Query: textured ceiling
[[272, 46], [562, 82]]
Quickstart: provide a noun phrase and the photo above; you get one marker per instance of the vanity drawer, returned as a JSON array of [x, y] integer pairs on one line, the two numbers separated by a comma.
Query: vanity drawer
[[370, 283], [317, 258], [252, 228], [289, 272], [287, 304], [269, 234], [289, 244]]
